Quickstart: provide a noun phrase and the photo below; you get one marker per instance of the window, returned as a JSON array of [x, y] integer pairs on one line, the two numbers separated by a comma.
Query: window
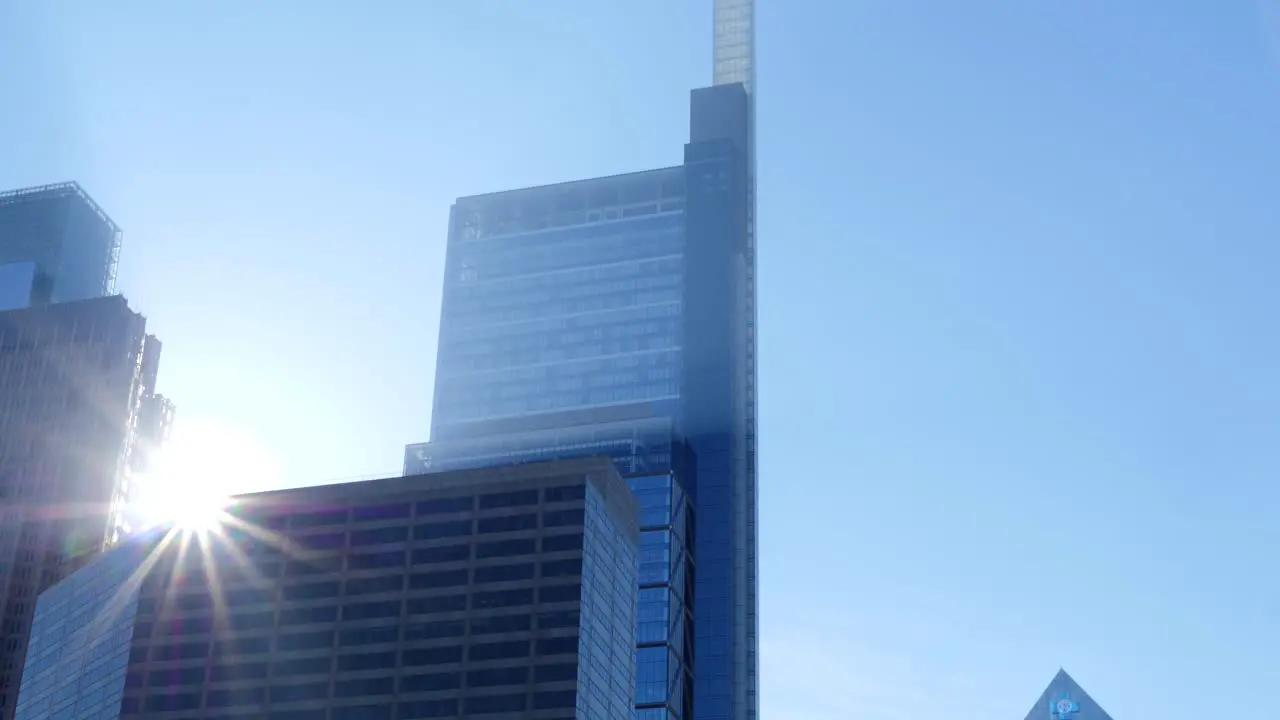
[[369, 636], [498, 676], [318, 519], [379, 536], [193, 602], [556, 673], [366, 661], [433, 656], [183, 676], [363, 712], [327, 541], [163, 703], [239, 597], [445, 505], [240, 646], [447, 553], [562, 568], [237, 671], [380, 512], [371, 610], [558, 646], [507, 523], [367, 686], [549, 699], [444, 578], [380, 711], [430, 605], [509, 499], [377, 561], [437, 629], [235, 698], [314, 566], [505, 548], [431, 682], [501, 624], [486, 705], [188, 626], [431, 531], [556, 543], [365, 586], [300, 692], [310, 591], [301, 666], [565, 493], [499, 650], [297, 715], [502, 598], [252, 620], [559, 593], [560, 518], [183, 651], [303, 616], [428, 709], [306, 640]]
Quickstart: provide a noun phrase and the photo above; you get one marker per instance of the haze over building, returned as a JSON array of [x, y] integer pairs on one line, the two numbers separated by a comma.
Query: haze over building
[[80, 417], [617, 316]]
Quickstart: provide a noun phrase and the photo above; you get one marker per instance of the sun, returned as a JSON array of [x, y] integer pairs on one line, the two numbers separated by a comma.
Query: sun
[[195, 475]]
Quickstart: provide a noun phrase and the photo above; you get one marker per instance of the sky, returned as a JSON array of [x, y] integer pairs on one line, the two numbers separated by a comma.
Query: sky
[[1020, 399]]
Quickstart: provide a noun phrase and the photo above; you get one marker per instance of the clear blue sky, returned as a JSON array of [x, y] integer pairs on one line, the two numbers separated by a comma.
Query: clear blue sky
[[1020, 368]]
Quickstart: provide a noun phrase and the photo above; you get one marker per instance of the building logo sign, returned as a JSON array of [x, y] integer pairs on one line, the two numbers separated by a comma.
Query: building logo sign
[[1063, 708]]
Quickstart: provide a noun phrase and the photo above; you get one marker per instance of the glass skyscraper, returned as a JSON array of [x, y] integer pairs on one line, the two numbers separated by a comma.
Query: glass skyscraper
[[616, 316], [56, 245]]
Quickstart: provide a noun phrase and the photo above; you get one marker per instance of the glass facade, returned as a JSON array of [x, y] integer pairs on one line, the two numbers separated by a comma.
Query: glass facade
[[615, 317], [78, 653], [606, 668], [72, 244], [561, 300]]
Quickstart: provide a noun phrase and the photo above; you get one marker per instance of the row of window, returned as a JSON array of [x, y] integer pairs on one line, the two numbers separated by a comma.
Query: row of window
[[326, 639], [267, 619], [448, 707], [389, 659], [387, 560], [432, 682], [436, 506], [241, 597]]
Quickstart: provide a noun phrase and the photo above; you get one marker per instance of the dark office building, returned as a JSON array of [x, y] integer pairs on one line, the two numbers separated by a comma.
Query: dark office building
[[77, 379], [1064, 699], [56, 245], [505, 592], [616, 316]]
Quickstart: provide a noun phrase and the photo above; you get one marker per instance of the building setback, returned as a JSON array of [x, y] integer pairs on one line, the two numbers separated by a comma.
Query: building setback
[[498, 592], [78, 416], [56, 245]]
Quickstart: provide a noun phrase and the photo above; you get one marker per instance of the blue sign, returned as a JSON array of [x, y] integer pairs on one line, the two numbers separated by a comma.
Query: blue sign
[[1063, 708]]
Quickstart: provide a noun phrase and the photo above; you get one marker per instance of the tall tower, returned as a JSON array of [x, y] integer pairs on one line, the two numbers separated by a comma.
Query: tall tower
[[734, 61], [617, 316]]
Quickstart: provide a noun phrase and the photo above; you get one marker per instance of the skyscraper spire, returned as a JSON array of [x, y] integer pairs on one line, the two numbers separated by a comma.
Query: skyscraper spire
[[735, 47]]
